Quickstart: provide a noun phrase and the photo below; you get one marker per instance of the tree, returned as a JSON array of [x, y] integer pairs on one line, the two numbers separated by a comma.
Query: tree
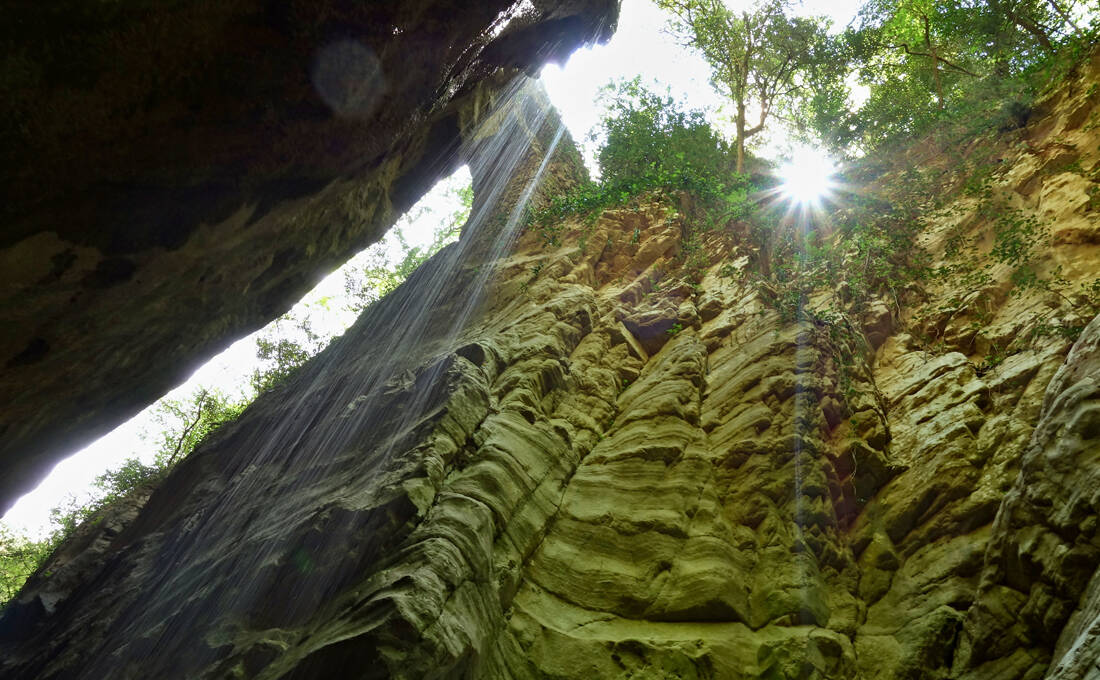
[[283, 346], [930, 33], [759, 58], [292, 339], [1049, 23], [20, 557], [956, 66], [645, 134], [183, 425], [650, 145]]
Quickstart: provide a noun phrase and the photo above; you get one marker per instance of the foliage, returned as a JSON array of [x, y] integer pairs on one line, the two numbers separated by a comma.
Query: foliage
[[866, 252], [376, 277], [20, 557], [650, 144], [291, 340], [831, 272], [761, 58], [285, 345], [953, 69], [182, 426], [646, 134], [1015, 241]]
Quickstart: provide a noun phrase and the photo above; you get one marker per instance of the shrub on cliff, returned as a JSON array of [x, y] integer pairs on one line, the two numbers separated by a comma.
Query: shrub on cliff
[[650, 143]]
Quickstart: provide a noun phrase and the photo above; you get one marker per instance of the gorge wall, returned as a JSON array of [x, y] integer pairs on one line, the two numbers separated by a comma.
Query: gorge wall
[[620, 461], [178, 175]]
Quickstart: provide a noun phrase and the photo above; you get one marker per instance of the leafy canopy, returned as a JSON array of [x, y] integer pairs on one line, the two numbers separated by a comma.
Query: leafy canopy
[[953, 67]]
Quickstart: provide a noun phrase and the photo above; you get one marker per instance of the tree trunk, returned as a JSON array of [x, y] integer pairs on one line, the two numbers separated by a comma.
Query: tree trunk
[[936, 76], [1064, 15], [935, 62], [740, 137], [1023, 22]]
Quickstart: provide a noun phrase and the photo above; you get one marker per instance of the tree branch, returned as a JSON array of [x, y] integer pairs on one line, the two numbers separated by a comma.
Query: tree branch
[[187, 430], [1032, 27], [906, 48]]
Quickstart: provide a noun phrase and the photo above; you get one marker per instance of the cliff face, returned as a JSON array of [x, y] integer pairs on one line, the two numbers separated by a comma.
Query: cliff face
[[612, 467], [178, 175]]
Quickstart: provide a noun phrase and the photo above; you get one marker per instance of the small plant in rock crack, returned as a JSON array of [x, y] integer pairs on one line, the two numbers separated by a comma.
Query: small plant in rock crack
[[992, 360], [676, 328], [535, 271], [1094, 199]]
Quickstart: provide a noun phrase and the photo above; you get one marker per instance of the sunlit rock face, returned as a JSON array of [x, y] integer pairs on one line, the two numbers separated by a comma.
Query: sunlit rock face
[[178, 176], [584, 457]]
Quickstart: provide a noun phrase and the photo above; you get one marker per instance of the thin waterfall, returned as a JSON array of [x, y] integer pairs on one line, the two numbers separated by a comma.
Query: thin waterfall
[[306, 454], [801, 416]]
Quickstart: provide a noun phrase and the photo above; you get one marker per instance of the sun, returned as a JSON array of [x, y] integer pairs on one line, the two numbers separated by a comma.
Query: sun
[[807, 178]]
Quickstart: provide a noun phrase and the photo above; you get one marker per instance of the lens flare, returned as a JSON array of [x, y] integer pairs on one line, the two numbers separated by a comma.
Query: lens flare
[[807, 178]]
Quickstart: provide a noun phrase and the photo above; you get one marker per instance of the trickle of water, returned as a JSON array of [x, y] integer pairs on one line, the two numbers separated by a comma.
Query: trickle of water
[[293, 489], [800, 422]]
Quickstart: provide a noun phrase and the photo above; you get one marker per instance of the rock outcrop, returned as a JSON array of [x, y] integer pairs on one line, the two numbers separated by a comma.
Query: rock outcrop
[[179, 176], [589, 459]]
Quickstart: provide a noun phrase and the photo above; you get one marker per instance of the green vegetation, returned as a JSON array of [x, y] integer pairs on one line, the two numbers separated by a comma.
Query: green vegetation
[[950, 69], [19, 558], [865, 253], [954, 69], [761, 57], [1017, 243], [943, 73], [650, 145], [286, 344], [375, 277]]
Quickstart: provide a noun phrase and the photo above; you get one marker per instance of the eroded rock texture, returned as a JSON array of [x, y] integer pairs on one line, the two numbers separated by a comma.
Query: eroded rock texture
[[177, 176], [1040, 577], [582, 460]]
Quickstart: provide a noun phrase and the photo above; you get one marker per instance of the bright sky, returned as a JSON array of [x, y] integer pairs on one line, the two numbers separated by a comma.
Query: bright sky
[[639, 47]]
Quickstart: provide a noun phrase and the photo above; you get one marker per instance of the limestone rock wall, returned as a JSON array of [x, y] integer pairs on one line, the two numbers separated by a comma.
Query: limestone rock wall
[[616, 470], [1039, 578]]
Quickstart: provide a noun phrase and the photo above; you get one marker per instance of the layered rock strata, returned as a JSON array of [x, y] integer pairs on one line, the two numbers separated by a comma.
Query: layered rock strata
[[622, 466]]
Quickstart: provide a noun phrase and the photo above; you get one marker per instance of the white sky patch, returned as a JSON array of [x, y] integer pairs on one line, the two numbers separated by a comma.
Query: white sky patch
[[229, 371]]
